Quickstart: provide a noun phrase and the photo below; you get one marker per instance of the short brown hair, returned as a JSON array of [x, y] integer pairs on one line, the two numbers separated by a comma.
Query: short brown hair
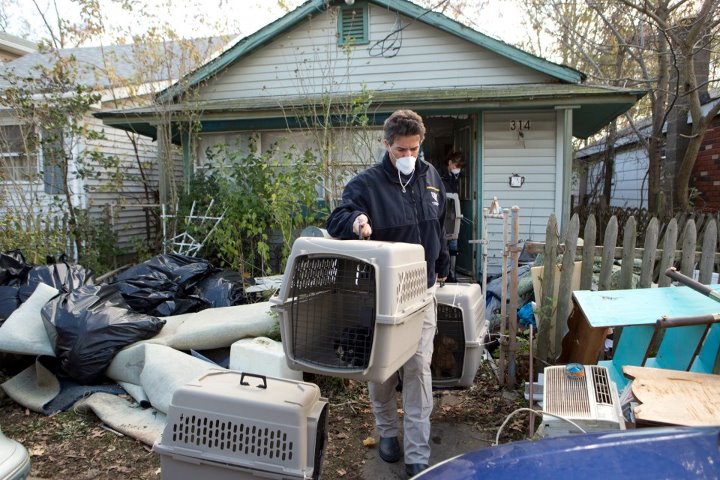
[[403, 123], [455, 156]]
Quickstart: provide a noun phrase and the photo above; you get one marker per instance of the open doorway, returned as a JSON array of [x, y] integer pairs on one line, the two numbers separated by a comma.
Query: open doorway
[[444, 135]]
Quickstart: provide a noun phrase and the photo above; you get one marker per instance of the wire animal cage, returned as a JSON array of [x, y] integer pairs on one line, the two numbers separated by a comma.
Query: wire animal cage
[[352, 308], [461, 328], [233, 425]]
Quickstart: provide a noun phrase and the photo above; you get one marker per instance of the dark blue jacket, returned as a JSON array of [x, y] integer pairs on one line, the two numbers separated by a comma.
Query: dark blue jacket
[[416, 216], [451, 182]]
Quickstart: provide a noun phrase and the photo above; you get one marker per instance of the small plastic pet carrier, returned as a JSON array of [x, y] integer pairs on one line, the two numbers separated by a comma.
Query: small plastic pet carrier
[[352, 308], [233, 425], [461, 327]]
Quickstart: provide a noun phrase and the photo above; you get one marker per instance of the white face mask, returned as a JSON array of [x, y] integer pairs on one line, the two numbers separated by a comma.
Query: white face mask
[[406, 165], [455, 171]]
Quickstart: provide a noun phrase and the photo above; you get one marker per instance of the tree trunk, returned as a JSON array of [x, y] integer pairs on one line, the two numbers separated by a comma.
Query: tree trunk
[[609, 161]]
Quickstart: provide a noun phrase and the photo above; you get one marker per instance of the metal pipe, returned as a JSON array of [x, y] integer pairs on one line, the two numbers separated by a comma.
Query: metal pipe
[[532, 388], [695, 285]]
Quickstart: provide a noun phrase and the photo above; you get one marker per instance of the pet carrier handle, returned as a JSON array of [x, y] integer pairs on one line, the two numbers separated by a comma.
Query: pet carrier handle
[[261, 377]]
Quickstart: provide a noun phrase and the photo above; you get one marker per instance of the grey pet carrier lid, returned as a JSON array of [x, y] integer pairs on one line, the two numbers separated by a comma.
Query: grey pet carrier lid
[[399, 268], [252, 421]]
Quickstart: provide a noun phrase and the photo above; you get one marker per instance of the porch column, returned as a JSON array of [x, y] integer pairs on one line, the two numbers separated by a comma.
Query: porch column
[[565, 160]]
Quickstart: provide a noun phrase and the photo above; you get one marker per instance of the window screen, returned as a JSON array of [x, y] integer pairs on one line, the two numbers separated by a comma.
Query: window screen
[[18, 161]]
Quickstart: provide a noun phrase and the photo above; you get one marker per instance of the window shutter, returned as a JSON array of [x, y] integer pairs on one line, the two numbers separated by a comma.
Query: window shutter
[[53, 159], [353, 28]]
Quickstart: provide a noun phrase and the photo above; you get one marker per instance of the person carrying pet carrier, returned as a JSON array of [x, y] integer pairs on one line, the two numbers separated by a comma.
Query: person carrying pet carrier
[[401, 199]]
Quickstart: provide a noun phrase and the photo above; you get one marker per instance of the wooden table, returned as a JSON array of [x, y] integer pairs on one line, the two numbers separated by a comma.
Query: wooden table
[[595, 312], [672, 397]]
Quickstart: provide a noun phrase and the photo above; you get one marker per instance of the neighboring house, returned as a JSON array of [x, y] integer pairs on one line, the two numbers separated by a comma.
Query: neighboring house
[[12, 47], [123, 75], [510, 112], [630, 170]]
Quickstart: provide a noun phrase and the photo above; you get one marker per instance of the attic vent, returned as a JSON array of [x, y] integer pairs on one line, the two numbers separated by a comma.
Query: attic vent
[[353, 24]]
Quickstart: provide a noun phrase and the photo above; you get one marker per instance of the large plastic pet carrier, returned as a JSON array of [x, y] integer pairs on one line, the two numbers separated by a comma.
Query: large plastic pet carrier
[[352, 308], [461, 327], [233, 425]]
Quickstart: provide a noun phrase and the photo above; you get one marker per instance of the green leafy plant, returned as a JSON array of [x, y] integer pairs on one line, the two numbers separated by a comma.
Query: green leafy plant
[[271, 194]]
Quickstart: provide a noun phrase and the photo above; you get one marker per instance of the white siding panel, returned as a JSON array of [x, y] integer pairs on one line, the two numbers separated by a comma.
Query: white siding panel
[[307, 61], [125, 201], [629, 179], [533, 155]]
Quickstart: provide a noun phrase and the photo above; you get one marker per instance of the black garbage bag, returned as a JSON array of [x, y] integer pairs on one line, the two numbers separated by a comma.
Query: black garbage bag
[[13, 268], [9, 302], [58, 274], [89, 325], [222, 288], [164, 285], [147, 291]]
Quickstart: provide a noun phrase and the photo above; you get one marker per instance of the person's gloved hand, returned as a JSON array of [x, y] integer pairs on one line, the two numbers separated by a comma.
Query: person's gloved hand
[[361, 226]]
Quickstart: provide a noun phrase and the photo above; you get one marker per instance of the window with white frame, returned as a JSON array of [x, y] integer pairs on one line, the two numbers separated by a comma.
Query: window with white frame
[[18, 158]]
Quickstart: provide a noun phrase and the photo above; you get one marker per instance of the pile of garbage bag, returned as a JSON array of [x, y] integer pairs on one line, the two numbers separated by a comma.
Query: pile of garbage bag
[[88, 324]]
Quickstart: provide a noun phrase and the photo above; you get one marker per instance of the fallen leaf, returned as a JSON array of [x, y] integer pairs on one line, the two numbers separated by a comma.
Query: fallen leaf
[[341, 472], [36, 451], [370, 442]]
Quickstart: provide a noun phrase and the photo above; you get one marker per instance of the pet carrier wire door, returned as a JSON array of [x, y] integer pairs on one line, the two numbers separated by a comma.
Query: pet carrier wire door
[[461, 328], [352, 308], [233, 425]]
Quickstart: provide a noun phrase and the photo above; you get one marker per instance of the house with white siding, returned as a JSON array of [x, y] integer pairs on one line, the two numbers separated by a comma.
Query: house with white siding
[[12, 47], [629, 184], [112, 174], [511, 113], [630, 165]]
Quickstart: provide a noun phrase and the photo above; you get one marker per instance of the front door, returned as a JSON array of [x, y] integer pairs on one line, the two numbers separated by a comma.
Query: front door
[[464, 140]]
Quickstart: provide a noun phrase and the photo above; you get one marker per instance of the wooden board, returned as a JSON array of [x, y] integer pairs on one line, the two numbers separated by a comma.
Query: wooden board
[[674, 397], [613, 308]]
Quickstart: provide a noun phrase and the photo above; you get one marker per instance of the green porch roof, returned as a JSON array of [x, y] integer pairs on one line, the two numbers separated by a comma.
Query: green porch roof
[[594, 107], [271, 31]]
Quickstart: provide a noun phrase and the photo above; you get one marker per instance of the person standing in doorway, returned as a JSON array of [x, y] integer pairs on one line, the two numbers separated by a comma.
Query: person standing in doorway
[[401, 199], [454, 164]]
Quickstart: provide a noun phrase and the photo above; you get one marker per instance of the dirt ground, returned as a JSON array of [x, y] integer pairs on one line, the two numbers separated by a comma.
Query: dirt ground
[[71, 445]]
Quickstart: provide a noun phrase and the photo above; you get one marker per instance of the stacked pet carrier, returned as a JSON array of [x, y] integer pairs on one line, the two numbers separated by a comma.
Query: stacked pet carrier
[[352, 308], [232, 425], [461, 328]]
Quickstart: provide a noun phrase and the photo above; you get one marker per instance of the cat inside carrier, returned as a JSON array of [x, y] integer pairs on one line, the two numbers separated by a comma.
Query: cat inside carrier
[[352, 308]]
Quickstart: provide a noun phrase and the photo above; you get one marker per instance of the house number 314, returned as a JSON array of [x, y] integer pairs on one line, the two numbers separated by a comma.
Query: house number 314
[[519, 125]]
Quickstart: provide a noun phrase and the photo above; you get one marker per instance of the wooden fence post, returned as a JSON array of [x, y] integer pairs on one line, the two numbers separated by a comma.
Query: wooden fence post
[[565, 290], [628, 257], [669, 242], [649, 254], [707, 258], [608, 256], [547, 282], [589, 242], [689, 236]]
